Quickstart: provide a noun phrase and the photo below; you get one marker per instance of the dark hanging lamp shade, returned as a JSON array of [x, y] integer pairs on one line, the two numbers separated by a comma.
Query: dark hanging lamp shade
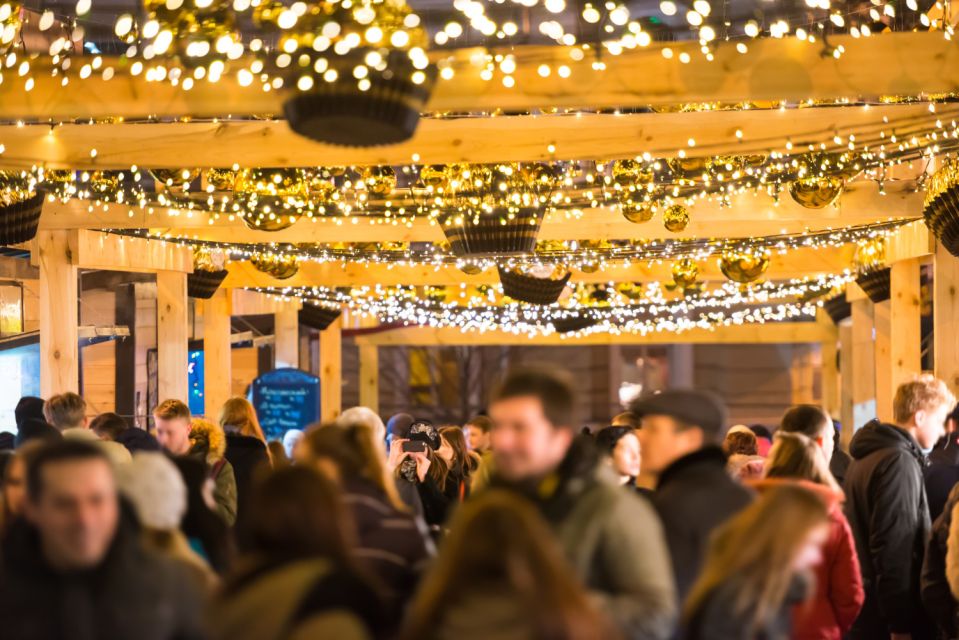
[[531, 289], [318, 317], [837, 307], [203, 284], [572, 322], [941, 207], [19, 221], [340, 113], [493, 233], [876, 283]]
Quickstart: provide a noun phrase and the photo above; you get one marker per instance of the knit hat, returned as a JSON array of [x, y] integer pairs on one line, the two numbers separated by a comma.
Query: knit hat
[[364, 416], [153, 485], [425, 431]]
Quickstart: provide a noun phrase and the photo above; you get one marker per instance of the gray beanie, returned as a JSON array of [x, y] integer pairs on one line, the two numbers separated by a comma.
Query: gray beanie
[[154, 486]]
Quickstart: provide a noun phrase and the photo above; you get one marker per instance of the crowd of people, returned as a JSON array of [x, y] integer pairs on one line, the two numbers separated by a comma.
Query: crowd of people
[[667, 523]]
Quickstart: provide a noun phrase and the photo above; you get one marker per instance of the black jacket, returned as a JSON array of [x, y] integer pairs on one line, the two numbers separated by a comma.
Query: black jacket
[[942, 474], [695, 495], [936, 596], [889, 516], [132, 594], [717, 619], [135, 439], [246, 454]]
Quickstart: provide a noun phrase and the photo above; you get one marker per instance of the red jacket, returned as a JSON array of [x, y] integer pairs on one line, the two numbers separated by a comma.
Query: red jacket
[[839, 594]]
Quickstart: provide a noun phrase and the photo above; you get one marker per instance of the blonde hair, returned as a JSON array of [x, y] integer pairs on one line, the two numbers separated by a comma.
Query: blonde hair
[[65, 410], [923, 393], [794, 455], [238, 415], [170, 409], [755, 550]]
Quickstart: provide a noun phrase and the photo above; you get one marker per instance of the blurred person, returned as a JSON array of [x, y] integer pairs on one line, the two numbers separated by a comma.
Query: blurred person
[[758, 567], [424, 471], [31, 423], [110, 426], [887, 508], [501, 576], [67, 412], [681, 437], [246, 452], [942, 472], [205, 530], [290, 440], [14, 484], [838, 587], [611, 538], [477, 432], [390, 541], [947, 449], [934, 584], [740, 440], [156, 490], [840, 461], [364, 415], [397, 426], [75, 568], [278, 454], [620, 449], [626, 419], [299, 579], [182, 435], [764, 438], [460, 462]]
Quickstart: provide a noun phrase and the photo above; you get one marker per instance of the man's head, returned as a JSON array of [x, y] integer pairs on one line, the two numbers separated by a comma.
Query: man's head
[[72, 502], [626, 419], [814, 423], [676, 423], [921, 406], [108, 426], [532, 413], [66, 411], [477, 432], [172, 419]]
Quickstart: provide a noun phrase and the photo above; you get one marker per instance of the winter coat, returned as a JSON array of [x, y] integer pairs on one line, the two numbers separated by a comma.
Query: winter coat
[[887, 510], [484, 615], [116, 452], [940, 477], [838, 594], [132, 594], [245, 454], [612, 539], [438, 502], [716, 617], [695, 495], [297, 600], [839, 465], [937, 598], [393, 545], [952, 553], [135, 439], [208, 445]]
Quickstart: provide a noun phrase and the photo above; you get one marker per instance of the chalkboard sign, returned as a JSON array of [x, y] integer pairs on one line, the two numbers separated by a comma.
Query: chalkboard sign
[[286, 399]]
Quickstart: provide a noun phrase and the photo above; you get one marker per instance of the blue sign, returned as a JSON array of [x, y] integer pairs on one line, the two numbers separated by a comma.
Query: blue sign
[[286, 399]]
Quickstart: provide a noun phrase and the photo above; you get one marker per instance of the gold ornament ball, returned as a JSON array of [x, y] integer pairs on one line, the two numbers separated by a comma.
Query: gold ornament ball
[[380, 181], [637, 212], [471, 269], [321, 189], [816, 193], [221, 179], [434, 175], [744, 267], [104, 182], [675, 218], [273, 221], [280, 183], [175, 178], [629, 172]]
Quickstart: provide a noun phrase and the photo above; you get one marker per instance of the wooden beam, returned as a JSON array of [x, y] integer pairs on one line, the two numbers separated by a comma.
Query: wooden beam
[[906, 316], [253, 303], [946, 317], [369, 376], [520, 138], [846, 372], [55, 253], [331, 371], [910, 241], [882, 346], [217, 356], [172, 337], [775, 69], [286, 329], [97, 250], [769, 333], [863, 364]]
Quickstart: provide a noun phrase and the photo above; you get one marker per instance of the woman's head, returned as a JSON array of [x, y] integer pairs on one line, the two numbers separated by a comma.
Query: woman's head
[[238, 416], [454, 451], [763, 548], [794, 455], [296, 513], [813, 422], [498, 543], [740, 440], [621, 447]]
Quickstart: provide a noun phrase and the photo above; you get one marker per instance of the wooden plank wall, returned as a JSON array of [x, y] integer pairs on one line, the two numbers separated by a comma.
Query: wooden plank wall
[[98, 361]]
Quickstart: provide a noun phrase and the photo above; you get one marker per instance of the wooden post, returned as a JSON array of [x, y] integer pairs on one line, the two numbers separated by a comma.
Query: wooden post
[[846, 373], [331, 371], [946, 317], [59, 348], [829, 353], [906, 349], [286, 331], [217, 357], [863, 365], [172, 337], [370, 377], [882, 324]]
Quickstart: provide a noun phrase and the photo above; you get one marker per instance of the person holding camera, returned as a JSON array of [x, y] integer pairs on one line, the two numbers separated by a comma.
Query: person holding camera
[[413, 456]]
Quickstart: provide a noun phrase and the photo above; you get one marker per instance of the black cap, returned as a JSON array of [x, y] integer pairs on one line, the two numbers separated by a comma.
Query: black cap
[[696, 408]]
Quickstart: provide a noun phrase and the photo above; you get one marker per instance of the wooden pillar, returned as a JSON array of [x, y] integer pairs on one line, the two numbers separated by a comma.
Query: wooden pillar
[[802, 374], [829, 353], [370, 377], [217, 356], [846, 384], [946, 317], [286, 331], [59, 346], [906, 331], [863, 364], [331, 371], [882, 325], [172, 337]]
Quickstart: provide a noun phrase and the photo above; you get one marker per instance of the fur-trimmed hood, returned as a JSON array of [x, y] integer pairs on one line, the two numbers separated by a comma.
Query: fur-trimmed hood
[[207, 439]]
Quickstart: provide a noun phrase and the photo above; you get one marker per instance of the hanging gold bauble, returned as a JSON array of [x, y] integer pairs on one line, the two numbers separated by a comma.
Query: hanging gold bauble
[[175, 178], [434, 176], [283, 183], [630, 290], [744, 266], [870, 254], [104, 182], [272, 221], [471, 269], [675, 218], [280, 267], [589, 267], [816, 193], [727, 164], [379, 181], [688, 166], [630, 172], [685, 272], [321, 190], [57, 176], [637, 212], [435, 293], [221, 179], [207, 259], [540, 176]]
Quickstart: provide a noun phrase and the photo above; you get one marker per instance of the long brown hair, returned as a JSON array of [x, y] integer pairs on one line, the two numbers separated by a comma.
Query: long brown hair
[[355, 451], [756, 550], [499, 544], [794, 455], [464, 461], [238, 415]]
